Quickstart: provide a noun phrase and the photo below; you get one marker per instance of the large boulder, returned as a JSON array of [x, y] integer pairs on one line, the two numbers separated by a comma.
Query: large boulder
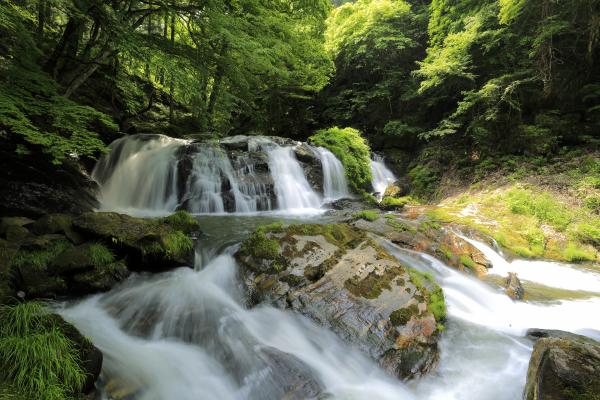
[[340, 278], [563, 366]]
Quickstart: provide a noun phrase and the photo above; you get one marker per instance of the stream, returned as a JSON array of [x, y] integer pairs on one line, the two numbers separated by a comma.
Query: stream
[[187, 333]]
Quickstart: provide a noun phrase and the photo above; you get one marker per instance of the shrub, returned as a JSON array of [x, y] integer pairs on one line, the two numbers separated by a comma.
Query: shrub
[[353, 152], [423, 181], [37, 361]]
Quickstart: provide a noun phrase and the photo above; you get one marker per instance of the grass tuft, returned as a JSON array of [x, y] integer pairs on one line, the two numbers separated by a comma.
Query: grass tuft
[[40, 258], [100, 255], [182, 221], [37, 361]]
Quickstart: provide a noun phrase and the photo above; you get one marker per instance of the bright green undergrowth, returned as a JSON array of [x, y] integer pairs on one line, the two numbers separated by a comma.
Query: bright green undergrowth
[[352, 150], [40, 258], [529, 222], [368, 215], [100, 255], [389, 202], [37, 361]]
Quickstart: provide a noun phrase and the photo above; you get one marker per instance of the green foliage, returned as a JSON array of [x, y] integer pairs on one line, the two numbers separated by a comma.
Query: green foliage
[[391, 203], [260, 246], [542, 206], [576, 253], [423, 181], [40, 258], [353, 152], [100, 255], [368, 215], [177, 244], [36, 359], [436, 303], [182, 221]]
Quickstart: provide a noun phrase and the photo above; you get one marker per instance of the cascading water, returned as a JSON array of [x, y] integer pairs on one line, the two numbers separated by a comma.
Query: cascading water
[[187, 335], [212, 182], [140, 172], [291, 187], [382, 176], [145, 174], [335, 185]]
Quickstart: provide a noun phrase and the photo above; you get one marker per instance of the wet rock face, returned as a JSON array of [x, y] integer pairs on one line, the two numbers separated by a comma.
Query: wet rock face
[[563, 366], [340, 278]]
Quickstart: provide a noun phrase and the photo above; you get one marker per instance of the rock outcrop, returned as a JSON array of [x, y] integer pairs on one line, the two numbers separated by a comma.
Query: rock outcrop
[[563, 366], [339, 277], [429, 237], [64, 255], [513, 287]]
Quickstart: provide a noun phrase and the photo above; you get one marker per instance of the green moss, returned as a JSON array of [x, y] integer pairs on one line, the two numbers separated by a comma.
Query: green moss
[[371, 286], [40, 258], [260, 246], [467, 261], [435, 297], [340, 235], [37, 361], [400, 226], [100, 255], [368, 215], [353, 152], [181, 221], [392, 203], [401, 316]]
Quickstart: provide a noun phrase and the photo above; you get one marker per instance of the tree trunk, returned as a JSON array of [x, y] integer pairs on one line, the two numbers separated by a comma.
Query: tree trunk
[[218, 79], [85, 71], [172, 83], [42, 12], [165, 36]]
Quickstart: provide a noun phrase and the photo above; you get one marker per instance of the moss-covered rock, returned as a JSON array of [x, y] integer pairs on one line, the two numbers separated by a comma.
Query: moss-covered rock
[[148, 244], [564, 366], [340, 277], [352, 150], [63, 255]]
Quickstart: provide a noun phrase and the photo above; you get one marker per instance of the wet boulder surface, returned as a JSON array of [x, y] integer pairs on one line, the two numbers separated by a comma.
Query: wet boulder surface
[[424, 235], [341, 278], [563, 366]]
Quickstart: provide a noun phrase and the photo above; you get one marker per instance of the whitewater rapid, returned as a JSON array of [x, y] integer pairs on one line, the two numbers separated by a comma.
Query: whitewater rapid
[[187, 334]]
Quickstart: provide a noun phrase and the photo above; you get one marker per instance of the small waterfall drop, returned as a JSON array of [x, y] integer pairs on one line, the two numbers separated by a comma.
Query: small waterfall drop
[[213, 182], [291, 187], [335, 185], [382, 176], [140, 172]]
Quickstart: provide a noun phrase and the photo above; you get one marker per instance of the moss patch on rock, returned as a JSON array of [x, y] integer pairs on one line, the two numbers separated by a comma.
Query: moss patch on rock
[[181, 221], [368, 215], [401, 316], [351, 149], [436, 303], [372, 285]]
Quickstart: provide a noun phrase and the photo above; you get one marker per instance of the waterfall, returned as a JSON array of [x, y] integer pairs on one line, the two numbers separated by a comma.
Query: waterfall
[[335, 185], [291, 187], [148, 174], [139, 172], [213, 182], [382, 176]]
